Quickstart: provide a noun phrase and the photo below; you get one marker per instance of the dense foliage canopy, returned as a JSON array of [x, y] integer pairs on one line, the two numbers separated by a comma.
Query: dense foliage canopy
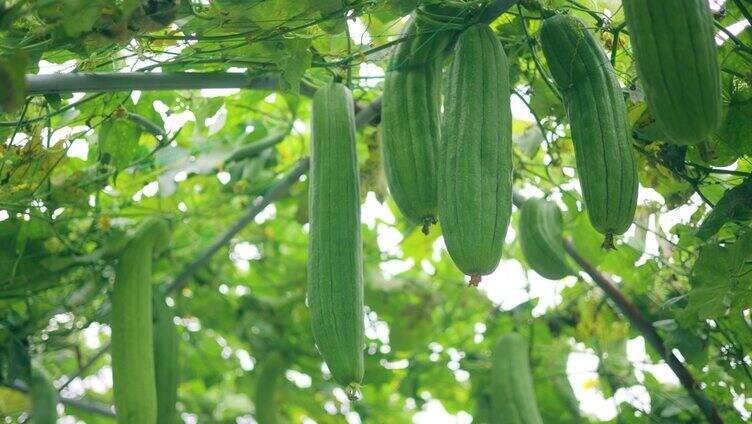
[[83, 160]]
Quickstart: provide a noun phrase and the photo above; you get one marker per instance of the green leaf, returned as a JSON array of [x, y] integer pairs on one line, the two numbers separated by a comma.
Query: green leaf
[[735, 205], [587, 240], [118, 141], [692, 348], [81, 16], [402, 6], [615, 369], [274, 13], [529, 140], [13, 82], [33, 229], [721, 279], [295, 61], [735, 134], [333, 11]]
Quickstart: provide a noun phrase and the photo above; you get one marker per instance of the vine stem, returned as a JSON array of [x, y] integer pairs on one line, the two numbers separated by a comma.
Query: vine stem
[[744, 11], [256, 207], [96, 407], [638, 320], [538, 66], [86, 365], [739, 43]]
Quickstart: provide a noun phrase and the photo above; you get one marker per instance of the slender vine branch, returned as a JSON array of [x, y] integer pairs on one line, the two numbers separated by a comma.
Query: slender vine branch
[[533, 53], [256, 147], [739, 43], [744, 10], [638, 320], [96, 407], [108, 82], [85, 366], [718, 171], [615, 43], [256, 207], [51, 114]]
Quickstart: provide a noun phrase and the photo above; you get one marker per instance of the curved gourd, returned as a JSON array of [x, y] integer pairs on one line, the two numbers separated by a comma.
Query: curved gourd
[[132, 347], [540, 234], [598, 119], [335, 258], [673, 42], [267, 404], [44, 397], [166, 361], [475, 176], [512, 393], [410, 114]]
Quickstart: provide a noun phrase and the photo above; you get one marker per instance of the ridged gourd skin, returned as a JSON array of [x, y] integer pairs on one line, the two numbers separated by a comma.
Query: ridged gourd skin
[[132, 348], [335, 258], [43, 397], [673, 42], [598, 120], [410, 122], [166, 361], [540, 234], [267, 404], [475, 176], [512, 392]]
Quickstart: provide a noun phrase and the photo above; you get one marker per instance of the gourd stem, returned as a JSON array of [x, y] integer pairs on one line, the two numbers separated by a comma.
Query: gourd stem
[[427, 222], [353, 392]]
